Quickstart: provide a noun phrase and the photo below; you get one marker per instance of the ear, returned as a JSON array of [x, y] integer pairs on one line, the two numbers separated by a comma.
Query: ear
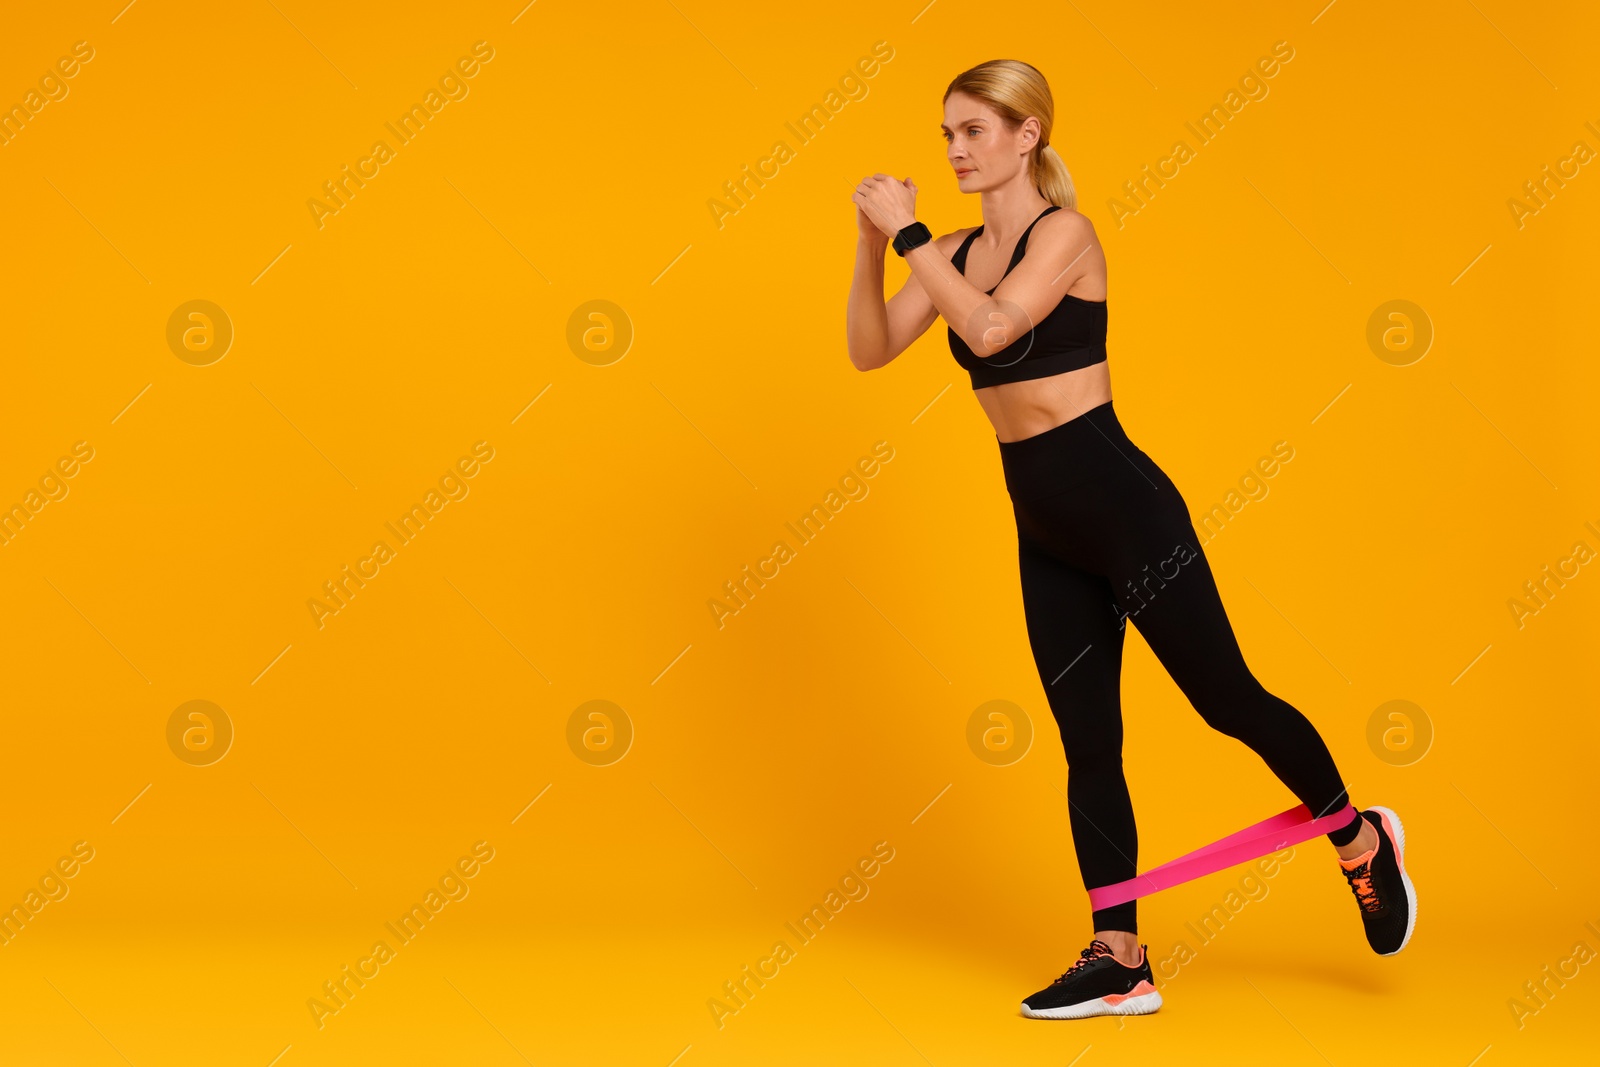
[[1031, 132]]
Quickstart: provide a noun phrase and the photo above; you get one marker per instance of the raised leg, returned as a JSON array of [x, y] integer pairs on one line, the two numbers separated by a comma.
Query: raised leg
[[1164, 582]]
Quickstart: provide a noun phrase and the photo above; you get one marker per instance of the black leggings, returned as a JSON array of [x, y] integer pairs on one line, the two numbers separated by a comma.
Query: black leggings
[[1103, 536]]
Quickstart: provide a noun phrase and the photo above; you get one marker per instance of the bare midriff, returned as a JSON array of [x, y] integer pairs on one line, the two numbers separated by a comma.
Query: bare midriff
[[1023, 409]]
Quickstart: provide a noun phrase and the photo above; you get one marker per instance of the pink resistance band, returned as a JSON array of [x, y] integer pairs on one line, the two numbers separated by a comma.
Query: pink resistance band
[[1282, 830]]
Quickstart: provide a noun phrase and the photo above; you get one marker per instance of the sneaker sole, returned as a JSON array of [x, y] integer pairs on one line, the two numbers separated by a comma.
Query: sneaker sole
[[1399, 836], [1144, 1004]]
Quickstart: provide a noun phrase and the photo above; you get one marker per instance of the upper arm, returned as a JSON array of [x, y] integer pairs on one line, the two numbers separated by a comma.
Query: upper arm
[[910, 311], [1062, 249]]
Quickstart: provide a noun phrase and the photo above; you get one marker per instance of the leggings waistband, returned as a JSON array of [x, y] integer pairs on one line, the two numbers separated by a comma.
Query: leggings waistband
[[1066, 455]]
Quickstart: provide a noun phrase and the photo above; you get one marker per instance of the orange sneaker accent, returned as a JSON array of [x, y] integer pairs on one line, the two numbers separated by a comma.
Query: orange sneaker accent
[[1388, 828], [1366, 896], [1364, 891], [1367, 856], [1139, 962], [1137, 991]]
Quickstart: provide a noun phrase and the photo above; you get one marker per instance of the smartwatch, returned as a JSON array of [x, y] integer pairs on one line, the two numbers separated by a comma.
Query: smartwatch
[[910, 237]]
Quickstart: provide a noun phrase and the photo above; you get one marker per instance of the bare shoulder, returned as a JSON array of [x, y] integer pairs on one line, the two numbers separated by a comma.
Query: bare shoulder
[[1068, 227], [949, 242], [1069, 239]]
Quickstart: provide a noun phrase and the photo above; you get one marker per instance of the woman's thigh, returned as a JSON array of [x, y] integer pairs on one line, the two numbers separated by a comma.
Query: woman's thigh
[[1152, 558], [1128, 525], [1076, 632]]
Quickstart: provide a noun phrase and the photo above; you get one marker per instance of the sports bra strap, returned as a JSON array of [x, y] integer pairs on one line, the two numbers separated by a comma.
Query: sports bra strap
[[959, 260], [1022, 242]]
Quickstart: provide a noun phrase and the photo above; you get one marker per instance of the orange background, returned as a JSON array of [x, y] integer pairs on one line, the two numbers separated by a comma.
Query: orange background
[[769, 755]]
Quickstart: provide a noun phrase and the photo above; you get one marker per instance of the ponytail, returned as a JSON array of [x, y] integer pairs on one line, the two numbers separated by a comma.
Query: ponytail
[[1051, 177]]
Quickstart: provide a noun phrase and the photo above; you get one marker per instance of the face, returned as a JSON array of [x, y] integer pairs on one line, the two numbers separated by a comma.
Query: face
[[983, 153]]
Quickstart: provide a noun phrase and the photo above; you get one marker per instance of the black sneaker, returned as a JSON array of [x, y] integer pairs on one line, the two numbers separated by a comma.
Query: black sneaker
[[1383, 889], [1097, 984]]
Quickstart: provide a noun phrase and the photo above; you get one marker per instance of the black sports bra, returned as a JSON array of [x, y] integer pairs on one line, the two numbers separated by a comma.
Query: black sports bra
[[1071, 336]]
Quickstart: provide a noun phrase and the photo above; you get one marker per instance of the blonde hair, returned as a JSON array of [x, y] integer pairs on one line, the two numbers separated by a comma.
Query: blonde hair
[[1017, 90]]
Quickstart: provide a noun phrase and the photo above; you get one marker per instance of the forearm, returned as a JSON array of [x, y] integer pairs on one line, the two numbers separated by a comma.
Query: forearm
[[866, 317], [957, 300]]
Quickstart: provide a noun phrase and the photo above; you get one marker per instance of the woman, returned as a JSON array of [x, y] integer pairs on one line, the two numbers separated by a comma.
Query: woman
[[1103, 534]]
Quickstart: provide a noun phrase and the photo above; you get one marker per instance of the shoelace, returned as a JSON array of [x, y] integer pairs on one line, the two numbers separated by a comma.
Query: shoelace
[[1360, 879], [1096, 949]]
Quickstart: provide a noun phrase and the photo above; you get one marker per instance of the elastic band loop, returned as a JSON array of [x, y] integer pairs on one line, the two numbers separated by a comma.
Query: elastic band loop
[[1287, 828]]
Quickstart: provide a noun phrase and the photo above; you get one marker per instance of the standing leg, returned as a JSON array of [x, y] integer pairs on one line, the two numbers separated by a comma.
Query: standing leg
[[1076, 636]]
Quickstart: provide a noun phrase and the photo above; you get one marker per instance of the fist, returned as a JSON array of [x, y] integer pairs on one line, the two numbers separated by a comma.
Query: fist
[[888, 204]]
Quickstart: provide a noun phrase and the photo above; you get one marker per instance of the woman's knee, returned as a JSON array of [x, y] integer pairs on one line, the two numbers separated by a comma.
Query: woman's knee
[[1234, 707], [1094, 741]]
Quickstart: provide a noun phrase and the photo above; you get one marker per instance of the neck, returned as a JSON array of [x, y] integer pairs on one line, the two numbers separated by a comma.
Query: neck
[[1008, 210]]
